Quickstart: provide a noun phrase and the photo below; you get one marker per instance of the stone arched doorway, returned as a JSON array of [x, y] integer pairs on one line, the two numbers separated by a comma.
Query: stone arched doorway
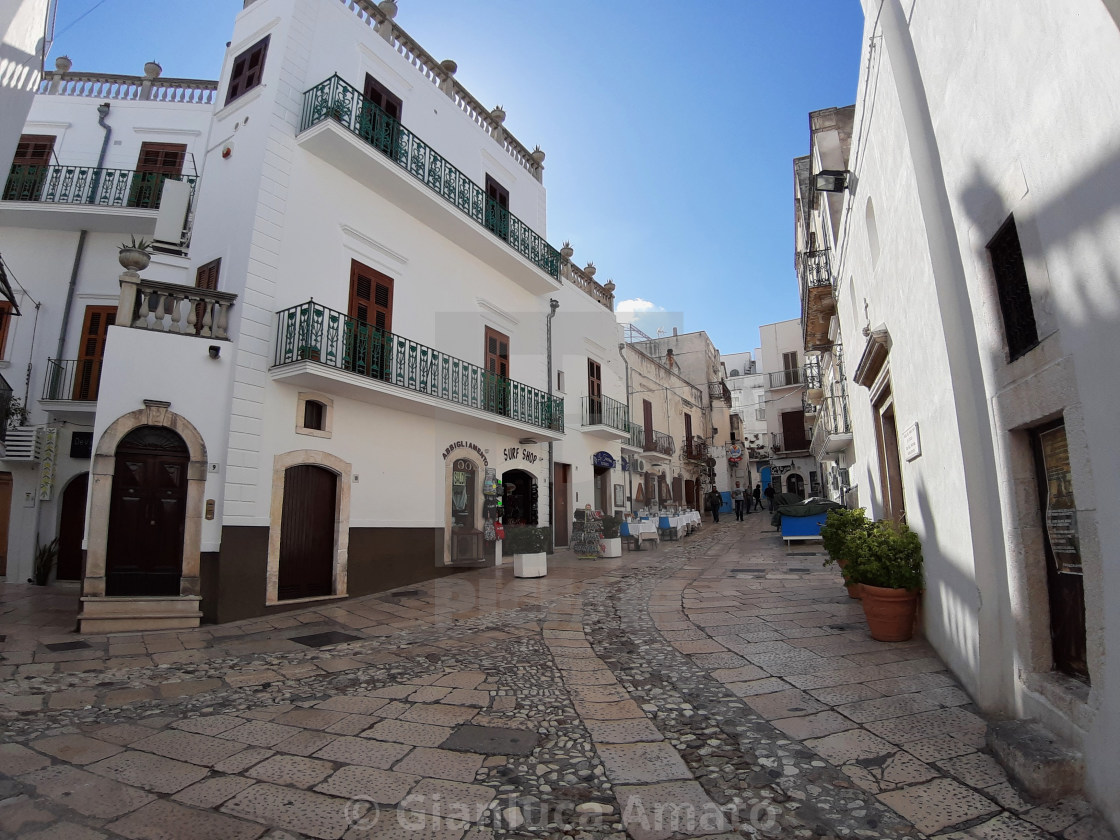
[[795, 484], [147, 514], [519, 503], [307, 532], [71, 528]]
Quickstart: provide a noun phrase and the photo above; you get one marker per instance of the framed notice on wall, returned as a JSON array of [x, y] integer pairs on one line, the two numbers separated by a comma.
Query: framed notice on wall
[[619, 496], [1060, 511]]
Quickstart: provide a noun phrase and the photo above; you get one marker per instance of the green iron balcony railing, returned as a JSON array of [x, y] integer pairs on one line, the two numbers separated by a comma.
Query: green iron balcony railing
[[335, 99], [312, 332], [72, 379], [89, 185], [603, 411]]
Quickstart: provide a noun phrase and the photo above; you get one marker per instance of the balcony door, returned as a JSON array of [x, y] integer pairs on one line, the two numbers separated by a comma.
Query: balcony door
[[497, 369], [793, 431], [688, 446], [368, 341], [791, 375], [91, 352], [497, 208], [29, 167], [157, 163], [647, 422], [594, 393], [380, 120]]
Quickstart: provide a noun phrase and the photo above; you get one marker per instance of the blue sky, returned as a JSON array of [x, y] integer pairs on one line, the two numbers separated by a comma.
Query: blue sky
[[669, 128]]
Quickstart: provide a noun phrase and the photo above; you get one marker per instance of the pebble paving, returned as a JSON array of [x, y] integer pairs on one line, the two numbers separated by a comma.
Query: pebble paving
[[720, 686]]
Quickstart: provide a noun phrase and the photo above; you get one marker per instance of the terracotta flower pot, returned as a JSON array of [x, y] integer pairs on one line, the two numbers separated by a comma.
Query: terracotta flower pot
[[890, 612], [853, 590]]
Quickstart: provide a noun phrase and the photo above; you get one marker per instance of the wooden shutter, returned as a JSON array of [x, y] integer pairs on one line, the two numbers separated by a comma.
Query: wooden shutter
[[594, 391], [5, 319], [688, 432], [206, 277], [95, 329], [793, 431], [33, 155], [497, 353], [497, 208], [383, 98], [248, 68], [647, 419], [157, 162], [371, 296]]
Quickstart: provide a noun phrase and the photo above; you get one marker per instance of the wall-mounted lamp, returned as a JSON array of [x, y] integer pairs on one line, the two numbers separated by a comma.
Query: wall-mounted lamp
[[528, 441], [215, 351], [834, 180]]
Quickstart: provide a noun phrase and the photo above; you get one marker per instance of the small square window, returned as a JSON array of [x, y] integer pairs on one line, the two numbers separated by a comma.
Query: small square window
[[248, 68], [314, 415]]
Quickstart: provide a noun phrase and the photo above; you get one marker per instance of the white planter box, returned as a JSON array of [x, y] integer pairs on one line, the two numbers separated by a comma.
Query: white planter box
[[529, 565], [611, 546]]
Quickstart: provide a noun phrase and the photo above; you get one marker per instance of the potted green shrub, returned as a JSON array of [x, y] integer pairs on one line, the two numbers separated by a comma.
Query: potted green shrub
[[612, 539], [528, 545], [886, 560], [46, 555], [135, 254], [839, 526]]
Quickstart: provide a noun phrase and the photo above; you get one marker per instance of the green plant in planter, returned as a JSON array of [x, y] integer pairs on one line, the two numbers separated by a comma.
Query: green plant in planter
[[46, 555], [611, 526], [886, 555], [135, 244], [839, 526], [525, 539]]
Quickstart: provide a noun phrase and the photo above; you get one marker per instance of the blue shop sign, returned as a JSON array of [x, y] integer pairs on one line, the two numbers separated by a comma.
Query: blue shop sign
[[603, 459]]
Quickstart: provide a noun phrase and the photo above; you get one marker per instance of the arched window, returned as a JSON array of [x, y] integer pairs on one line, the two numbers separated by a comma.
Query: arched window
[[314, 415], [872, 233]]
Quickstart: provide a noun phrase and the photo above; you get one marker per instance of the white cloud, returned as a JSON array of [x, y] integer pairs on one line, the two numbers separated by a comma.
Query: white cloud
[[637, 305]]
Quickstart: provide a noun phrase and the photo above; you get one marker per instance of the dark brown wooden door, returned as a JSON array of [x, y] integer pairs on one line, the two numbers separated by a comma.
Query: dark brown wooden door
[[497, 368], [793, 431], [380, 117], [594, 392], [678, 489], [497, 208], [561, 515], [1064, 578], [72, 525], [368, 344], [206, 277], [29, 167], [647, 421], [687, 436], [307, 532], [157, 163], [890, 464], [5, 518], [91, 352], [690, 493], [147, 514]]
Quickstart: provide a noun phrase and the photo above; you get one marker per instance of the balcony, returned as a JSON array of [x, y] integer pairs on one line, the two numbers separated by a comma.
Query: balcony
[[170, 308], [719, 391], [637, 439], [833, 430], [90, 198], [356, 136], [605, 418], [818, 304], [787, 378], [321, 348], [781, 444], [658, 447], [695, 449], [71, 384]]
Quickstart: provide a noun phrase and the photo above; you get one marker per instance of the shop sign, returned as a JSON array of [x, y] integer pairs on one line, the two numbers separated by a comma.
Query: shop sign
[[514, 453], [603, 459], [46, 468], [625, 464], [463, 444], [734, 454]]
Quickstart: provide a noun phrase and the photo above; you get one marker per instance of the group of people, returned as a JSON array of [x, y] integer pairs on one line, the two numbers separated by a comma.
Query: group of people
[[745, 501]]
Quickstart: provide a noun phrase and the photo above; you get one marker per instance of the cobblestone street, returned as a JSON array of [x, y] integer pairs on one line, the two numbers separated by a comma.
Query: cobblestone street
[[722, 685]]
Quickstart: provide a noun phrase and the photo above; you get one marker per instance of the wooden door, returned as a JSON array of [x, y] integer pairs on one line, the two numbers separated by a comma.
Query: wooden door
[[147, 514], [678, 490], [561, 514], [497, 208], [206, 277], [307, 533], [647, 421], [71, 527], [91, 351], [688, 447], [367, 337], [793, 431], [380, 118], [690, 493], [1065, 583], [594, 392], [157, 162], [5, 518], [497, 370], [890, 464], [29, 167]]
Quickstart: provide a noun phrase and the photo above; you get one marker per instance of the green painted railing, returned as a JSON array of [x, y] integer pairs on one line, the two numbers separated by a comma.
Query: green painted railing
[[603, 411], [312, 332], [335, 99], [88, 185]]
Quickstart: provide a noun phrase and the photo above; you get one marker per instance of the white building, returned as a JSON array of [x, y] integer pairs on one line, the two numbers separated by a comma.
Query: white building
[[789, 425], [975, 280], [320, 391]]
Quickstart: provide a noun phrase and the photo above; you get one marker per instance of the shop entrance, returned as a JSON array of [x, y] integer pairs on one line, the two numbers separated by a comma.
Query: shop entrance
[[71, 526], [603, 489], [795, 484], [519, 504]]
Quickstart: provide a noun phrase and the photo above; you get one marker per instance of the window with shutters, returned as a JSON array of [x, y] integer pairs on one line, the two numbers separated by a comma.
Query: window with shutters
[[95, 329], [594, 391], [368, 343], [29, 167], [157, 162], [206, 277], [497, 365], [1013, 290], [497, 208], [314, 414], [248, 68], [313, 411], [5, 318], [380, 121]]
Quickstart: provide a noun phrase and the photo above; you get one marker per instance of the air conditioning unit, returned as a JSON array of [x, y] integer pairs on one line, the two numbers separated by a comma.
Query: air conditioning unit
[[640, 465], [24, 443]]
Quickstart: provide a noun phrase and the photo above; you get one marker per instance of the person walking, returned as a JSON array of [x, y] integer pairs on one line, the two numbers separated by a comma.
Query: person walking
[[769, 493], [715, 502], [757, 496], [737, 498]]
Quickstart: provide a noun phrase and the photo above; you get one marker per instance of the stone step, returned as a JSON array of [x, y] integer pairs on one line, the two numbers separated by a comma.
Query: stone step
[[1045, 767]]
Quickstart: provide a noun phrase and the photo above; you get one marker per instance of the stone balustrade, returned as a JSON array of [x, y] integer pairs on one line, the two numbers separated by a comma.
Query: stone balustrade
[[581, 279], [167, 307], [107, 86]]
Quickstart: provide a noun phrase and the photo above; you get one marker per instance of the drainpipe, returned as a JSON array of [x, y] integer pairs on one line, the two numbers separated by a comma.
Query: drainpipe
[[102, 113], [553, 305], [630, 472]]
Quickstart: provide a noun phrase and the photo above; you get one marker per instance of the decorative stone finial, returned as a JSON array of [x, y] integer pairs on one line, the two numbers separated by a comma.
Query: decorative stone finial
[[538, 154], [589, 269], [567, 250], [152, 70], [388, 8], [609, 286], [449, 65], [63, 64], [498, 115]]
